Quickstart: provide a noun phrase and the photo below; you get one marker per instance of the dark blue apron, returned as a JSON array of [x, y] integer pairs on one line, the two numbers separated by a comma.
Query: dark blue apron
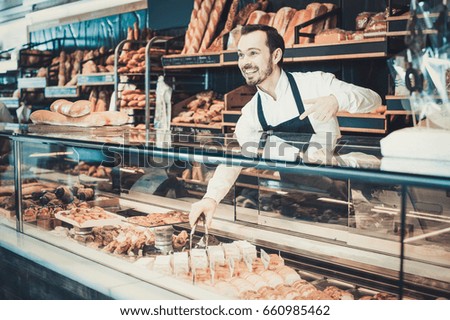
[[292, 125]]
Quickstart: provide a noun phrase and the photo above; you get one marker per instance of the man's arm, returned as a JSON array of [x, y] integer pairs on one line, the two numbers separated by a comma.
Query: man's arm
[[225, 176], [222, 181], [352, 98]]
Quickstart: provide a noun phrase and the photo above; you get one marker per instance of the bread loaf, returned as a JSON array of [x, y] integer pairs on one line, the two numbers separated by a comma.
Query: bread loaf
[[282, 18], [127, 46], [244, 14], [316, 9], [300, 17], [93, 96], [135, 31], [200, 26], [255, 17], [335, 35], [217, 44], [97, 119], [57, 104], [234, 37], [101, 105], [62, 69], [213, 22], [191, 26], [362, 19], [331, 22], [70, 109]]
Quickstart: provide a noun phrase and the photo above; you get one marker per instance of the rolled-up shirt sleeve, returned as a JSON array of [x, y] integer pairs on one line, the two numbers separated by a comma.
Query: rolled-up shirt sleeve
[[351, 98], [223, 179], [247, 133]]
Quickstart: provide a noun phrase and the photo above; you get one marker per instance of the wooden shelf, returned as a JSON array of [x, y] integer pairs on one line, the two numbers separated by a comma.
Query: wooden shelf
[[367, 48], [353, 49], [398, 103], [362, 122], [199, 60]]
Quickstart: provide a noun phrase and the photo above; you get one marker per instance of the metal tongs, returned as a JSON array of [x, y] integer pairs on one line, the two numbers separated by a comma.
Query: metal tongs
[[203, 242]]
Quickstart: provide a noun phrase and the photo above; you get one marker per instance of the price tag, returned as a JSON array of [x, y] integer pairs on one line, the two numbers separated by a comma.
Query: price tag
[[212, 270], [90, 79], [55, 92], [29, 83], [191, 60], [265, 258], [12, 103], [248, 262], [231, 265]]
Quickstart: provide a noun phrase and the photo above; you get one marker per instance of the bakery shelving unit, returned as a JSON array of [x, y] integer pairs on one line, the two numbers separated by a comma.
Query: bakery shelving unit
[[8, 79], [138, 79]]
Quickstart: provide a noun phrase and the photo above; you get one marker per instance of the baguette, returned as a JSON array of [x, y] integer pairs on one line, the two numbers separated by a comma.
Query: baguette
[[136, 31], [100, 106], [213, 22], [282, 18], [255, 17], [93, 97], [200, 26], [271, 18], [244, 14], [97, 119], [191, 26], [265, 19], [217, 44]]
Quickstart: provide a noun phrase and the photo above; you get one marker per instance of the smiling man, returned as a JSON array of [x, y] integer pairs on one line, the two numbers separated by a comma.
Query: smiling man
[[285, 102]]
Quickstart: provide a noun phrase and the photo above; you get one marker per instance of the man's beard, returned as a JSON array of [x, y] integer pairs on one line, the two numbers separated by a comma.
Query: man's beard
[[264, 74]]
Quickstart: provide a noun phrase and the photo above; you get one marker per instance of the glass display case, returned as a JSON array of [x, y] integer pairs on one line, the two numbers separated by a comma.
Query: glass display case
[[7, 178], [312, 217]]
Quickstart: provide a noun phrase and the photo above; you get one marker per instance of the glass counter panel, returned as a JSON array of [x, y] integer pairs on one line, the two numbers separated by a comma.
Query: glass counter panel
[[57, 178], [427, 241], [298, 198], [7, 200]]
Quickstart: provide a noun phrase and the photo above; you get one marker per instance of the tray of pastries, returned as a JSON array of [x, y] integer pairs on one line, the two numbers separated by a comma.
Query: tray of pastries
[[89, 217], [159, 219]]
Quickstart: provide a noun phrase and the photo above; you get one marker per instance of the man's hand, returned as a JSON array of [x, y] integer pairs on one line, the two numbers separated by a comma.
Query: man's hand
[[207, 206], [322, 109]]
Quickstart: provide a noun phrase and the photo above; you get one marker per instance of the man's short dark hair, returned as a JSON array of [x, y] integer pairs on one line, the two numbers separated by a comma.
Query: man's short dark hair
[[274, 39]]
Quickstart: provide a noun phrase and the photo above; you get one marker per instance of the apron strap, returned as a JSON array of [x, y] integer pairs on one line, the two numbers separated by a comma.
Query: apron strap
[[298, 102], [296, 93], [262, 119]]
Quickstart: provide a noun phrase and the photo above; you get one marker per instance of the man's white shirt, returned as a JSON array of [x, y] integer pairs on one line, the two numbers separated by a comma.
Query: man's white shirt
[[351, 98]]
